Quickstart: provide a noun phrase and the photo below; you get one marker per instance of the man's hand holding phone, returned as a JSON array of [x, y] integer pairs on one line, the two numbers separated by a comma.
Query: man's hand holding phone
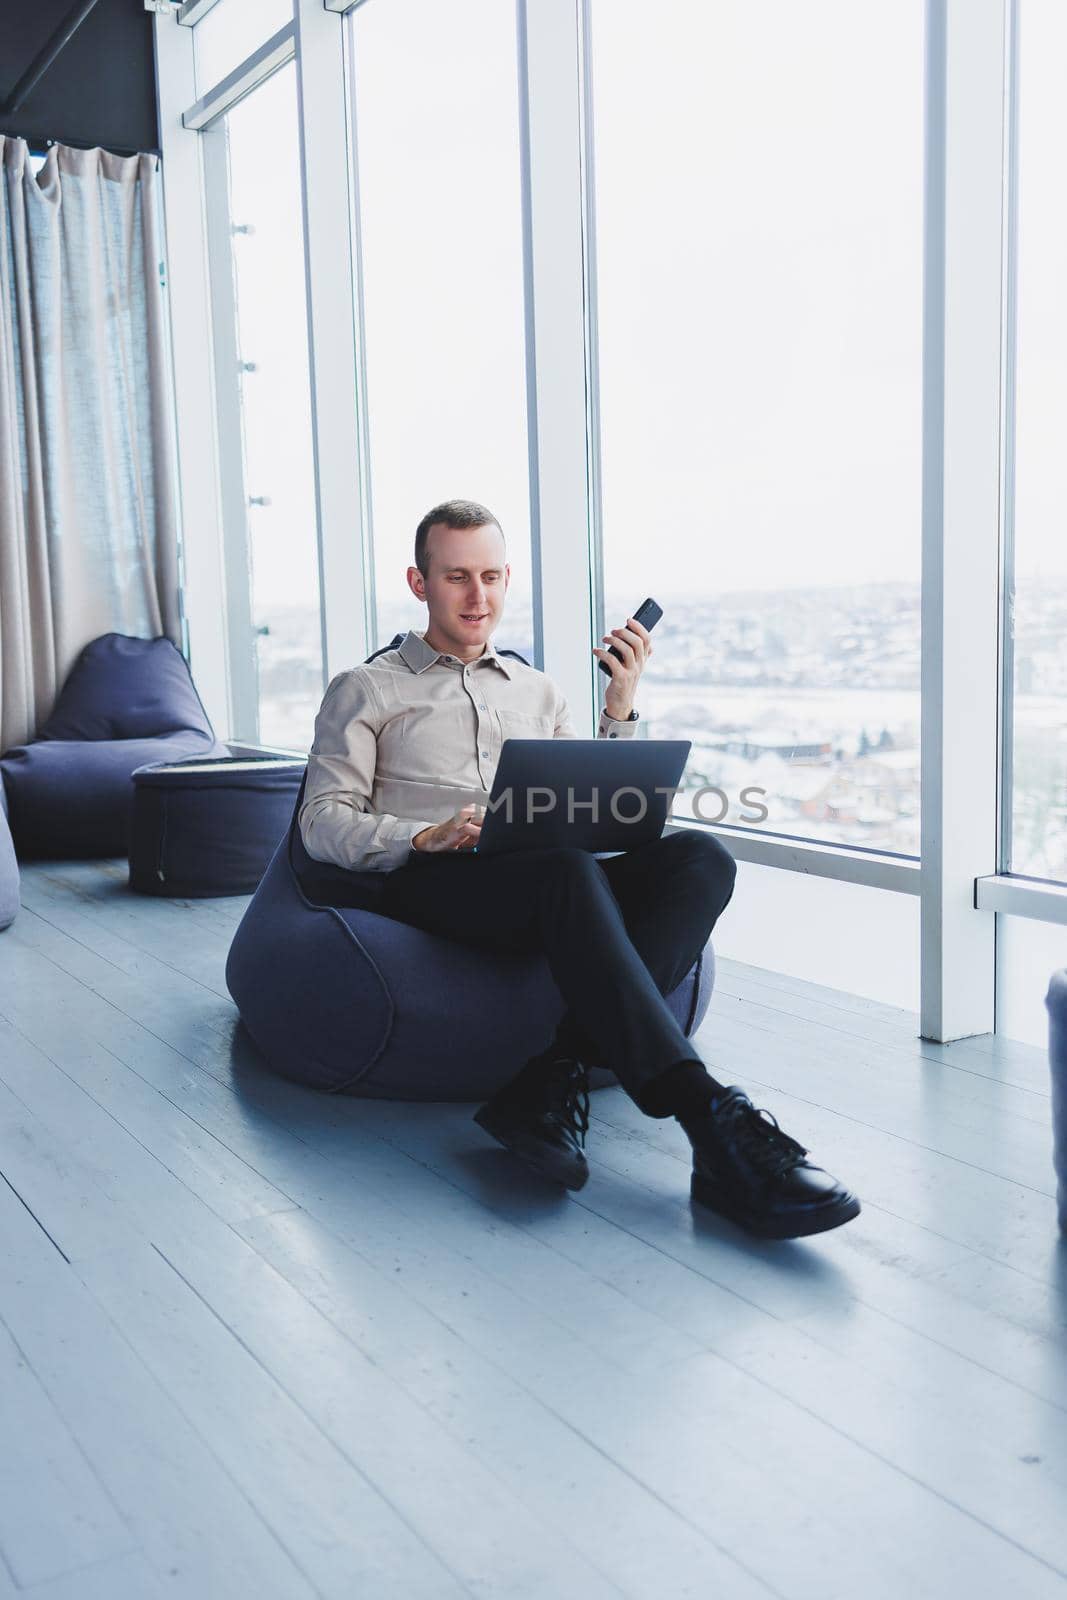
[[460, 832], [628, 650]]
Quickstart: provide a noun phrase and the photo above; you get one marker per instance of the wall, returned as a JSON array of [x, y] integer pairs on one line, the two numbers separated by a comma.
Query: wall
[[1028, 954], [99, 91], [843, 935]]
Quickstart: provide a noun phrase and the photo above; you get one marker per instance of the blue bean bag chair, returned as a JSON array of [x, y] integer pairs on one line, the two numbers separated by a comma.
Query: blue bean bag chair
[[127, 702], [9, 869], [344, 999], [1056, 1000]]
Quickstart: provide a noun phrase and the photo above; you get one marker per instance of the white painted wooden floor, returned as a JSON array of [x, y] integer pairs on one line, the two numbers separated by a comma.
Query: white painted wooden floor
[[259, 1342]]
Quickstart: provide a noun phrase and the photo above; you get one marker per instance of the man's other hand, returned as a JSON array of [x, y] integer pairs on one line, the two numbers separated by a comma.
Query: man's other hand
[[634, 646], [460, 832]]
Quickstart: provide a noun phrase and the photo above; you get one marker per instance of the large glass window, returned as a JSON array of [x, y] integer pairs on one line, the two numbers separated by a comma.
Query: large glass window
[[758, 175], [437, 140], [269, 283], [1037, 703]]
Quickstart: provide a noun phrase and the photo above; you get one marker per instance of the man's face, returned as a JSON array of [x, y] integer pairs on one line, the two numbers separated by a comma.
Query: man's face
[[465, 587]]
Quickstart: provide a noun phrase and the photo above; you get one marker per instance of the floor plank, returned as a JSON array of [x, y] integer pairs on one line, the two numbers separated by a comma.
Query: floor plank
[[192, 1527], [495, 1397], [127, 1575], [985, 1055], [134, 934], [694, 1297], [996, 1128], [41, 1469]]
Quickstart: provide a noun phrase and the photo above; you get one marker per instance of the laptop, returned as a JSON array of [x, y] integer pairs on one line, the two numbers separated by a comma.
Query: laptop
[[588, 794]]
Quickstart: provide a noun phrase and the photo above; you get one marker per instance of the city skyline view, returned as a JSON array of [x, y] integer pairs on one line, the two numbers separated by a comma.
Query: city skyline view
[[811, 696]]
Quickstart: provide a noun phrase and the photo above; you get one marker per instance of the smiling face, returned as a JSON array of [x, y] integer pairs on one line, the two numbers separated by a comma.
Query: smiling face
[[464, 587]]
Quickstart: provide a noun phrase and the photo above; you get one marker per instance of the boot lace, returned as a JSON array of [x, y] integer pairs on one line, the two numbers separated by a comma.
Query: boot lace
[[758, 1138], [569, 1102]]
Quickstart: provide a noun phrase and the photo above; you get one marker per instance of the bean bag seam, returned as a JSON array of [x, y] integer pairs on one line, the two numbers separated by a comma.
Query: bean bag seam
[[361, 947], [161, 868], [212, 788], [696, 972]]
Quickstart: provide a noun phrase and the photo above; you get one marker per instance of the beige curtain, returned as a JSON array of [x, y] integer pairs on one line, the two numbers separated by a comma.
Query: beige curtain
[[88, 534]]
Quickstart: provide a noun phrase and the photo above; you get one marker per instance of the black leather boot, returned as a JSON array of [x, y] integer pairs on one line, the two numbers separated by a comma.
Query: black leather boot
[[747, 1169], [542, 1117]]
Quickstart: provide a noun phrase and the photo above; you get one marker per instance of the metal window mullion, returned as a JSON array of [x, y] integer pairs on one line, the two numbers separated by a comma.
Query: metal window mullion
[[189, 303], [592, 321], [366, 497], [1034, 898], [961, 508], [345, 566], [237, 554], [1011, 322], [870, 868], [272, 55], [561, 508]]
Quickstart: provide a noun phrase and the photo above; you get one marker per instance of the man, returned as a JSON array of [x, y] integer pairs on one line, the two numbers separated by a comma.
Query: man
[[400, 740]]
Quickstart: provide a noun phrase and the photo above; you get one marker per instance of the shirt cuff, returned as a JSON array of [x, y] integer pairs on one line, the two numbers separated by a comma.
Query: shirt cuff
[[610, 729], [395, 839]]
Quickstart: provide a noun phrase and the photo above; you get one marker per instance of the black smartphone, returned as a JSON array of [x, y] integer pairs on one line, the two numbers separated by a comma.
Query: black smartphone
[[647, 614]]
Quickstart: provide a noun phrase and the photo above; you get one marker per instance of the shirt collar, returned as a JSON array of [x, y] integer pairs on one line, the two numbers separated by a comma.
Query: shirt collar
[[419, 655]]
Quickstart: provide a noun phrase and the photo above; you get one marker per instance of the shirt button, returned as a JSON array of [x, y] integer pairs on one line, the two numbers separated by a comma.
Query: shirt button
[[613, 736], [485, 753]]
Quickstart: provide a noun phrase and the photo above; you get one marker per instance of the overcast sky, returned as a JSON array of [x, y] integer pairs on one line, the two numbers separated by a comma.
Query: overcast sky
[[759, 205]]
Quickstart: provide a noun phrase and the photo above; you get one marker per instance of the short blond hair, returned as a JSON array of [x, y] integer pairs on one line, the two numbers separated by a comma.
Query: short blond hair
[[450, 514]]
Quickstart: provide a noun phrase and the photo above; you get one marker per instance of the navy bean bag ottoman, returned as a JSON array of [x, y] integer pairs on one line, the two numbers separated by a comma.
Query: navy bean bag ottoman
[[349, 1000], [1056, 1000], [9, 869], [126, 702], [209, 827]]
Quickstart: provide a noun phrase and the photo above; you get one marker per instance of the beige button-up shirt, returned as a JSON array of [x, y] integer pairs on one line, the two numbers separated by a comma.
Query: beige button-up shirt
[[408, 738]]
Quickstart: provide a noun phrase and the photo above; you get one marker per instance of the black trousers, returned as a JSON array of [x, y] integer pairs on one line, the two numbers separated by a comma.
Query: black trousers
[[618, 935]]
